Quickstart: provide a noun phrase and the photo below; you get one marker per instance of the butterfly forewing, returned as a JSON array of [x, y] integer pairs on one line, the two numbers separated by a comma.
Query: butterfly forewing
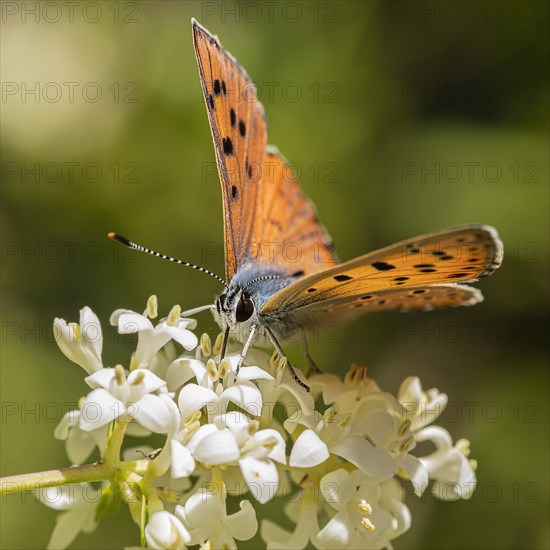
[[239, 131], [463, 254], [267, 218]]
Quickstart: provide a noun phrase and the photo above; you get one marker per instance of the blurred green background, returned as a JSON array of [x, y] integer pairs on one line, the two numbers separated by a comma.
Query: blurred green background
[[403, 117]]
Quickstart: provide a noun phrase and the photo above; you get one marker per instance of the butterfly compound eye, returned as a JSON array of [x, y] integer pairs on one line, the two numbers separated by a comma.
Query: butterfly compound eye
[[245, 308]]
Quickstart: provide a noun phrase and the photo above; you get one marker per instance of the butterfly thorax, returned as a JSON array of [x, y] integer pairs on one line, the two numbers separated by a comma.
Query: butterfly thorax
[[252, 286]]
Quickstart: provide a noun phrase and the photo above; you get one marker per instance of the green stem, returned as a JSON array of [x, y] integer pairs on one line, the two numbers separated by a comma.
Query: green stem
[[114, 444], [76, 474], [103, 470]]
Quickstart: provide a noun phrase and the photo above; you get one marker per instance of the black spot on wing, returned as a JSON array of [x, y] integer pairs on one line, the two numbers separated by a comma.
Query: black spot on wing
[[242, 128], [217, 87], [224, 89], [211, 102], [382, 266], [342, 278], [233, 117], [227, 146], [234, 192]]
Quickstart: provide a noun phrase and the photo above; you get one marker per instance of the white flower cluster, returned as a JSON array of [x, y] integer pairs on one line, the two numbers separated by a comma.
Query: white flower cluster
[[339, 459]]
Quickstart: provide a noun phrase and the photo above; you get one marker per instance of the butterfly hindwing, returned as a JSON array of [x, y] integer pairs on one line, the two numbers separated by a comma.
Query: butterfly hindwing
[[463, 254], [289, 234]]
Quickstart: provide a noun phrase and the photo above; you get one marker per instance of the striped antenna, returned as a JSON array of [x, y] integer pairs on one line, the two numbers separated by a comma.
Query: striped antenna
[[130, 244]]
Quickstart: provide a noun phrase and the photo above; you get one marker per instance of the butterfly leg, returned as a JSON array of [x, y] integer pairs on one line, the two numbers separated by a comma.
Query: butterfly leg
[[224, 346], [313, 368], [245, 350], [280, 351]]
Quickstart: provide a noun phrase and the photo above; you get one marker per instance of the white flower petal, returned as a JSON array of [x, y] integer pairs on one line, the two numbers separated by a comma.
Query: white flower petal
[[203, 509], [69, 420], [90, 330], [151, 411], [339, 532], [410, 391], [337, 488], [261, 476], [81, 343], [193, 398], [415, 470], [308, 450], [181, 335], [199, 435], [183, 464], [130, 322], [150, 383], [164, 530], [217, 448], [242, 525], [79, 445], [99, 409], [278, 453], [100, 379], [247, 374], [68, 526], [182, 370], [246, 396], [374, 462], [237, 422]]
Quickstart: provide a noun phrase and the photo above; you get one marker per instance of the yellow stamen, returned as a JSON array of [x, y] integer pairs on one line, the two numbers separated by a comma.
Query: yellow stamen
[[404, 428], [212, 370], [281, 365], [345, 421], [364, 508], [120, 377], [463, 445], [152, 307], [405, 444], [206, 344], [76, 331], [218, 344], [253, 427], [329, 415], [174, 316], [367, 524], [223, 368], [269, 443], [138, 379]]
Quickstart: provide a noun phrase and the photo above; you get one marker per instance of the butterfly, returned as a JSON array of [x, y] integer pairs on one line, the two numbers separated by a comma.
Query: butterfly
[[281, 272]]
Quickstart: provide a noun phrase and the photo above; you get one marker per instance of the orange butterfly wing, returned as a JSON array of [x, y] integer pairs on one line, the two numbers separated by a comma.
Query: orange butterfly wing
[[239, 131], [288, 232], [267, 218], [401, 276]]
